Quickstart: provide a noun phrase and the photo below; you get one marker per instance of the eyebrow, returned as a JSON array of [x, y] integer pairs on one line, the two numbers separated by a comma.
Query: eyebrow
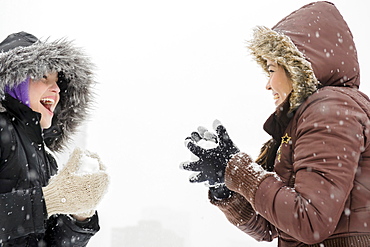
[[269, 65]]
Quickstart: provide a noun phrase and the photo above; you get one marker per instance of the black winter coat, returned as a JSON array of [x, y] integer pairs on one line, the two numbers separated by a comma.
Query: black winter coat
[[25, 167]]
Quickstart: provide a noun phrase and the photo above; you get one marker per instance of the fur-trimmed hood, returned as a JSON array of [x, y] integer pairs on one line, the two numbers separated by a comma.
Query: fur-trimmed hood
[[23, 55], [315, 45]]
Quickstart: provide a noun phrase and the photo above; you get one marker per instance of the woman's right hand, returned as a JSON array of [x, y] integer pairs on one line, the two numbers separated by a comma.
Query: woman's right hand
[[211, 163]]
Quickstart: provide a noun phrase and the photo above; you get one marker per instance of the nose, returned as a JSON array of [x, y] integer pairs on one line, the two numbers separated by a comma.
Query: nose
[[268, 85], [55, 87]]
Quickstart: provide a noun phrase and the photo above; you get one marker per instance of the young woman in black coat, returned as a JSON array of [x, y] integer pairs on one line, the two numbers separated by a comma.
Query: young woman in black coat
[[45, 91]]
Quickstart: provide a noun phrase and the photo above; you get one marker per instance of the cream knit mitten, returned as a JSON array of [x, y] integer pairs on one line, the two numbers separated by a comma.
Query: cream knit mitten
[[71, 193]]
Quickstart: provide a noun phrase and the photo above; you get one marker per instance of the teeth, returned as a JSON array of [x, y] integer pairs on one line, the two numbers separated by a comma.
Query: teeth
[[47, 101]]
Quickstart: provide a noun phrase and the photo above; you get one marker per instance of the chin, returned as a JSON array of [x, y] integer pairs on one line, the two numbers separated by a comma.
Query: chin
[[45, 124], [45, 127]]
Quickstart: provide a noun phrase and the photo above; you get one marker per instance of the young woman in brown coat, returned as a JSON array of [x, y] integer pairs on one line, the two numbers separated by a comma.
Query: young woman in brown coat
[[310, 185]]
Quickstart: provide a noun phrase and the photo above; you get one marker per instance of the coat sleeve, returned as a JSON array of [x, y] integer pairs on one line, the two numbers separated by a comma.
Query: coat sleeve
[[63, 230], [241, 214], [327, 151]]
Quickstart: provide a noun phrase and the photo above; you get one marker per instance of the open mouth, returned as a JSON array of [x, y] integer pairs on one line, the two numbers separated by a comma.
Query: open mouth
[[47, 103]]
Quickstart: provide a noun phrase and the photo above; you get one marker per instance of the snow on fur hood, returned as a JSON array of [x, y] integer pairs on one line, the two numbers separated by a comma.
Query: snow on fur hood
[[315, 45], [22, 55]]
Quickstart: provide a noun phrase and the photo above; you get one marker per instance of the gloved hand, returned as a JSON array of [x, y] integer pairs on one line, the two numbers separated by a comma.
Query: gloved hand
[[71, 193], [212, 162]]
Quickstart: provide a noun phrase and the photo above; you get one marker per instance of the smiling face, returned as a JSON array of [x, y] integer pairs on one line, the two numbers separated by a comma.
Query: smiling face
[[44, 97], [279, 82]]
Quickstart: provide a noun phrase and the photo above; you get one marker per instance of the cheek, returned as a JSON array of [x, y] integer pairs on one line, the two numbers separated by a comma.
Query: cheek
[[33, 102], [35, 93], [34, 99], [276, 84], [288, 86], [284, 85]]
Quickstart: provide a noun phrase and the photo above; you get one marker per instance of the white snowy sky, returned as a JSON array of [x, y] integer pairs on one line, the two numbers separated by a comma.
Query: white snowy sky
[[164, 68]]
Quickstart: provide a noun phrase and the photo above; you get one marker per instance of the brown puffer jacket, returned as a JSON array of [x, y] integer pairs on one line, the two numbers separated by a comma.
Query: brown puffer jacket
[[318, 193]]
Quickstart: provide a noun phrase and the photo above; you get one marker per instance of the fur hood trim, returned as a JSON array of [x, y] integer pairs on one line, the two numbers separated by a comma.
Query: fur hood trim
[[278, 47], [73, 67]]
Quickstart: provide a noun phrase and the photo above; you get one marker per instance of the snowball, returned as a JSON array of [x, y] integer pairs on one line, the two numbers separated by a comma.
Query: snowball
[[88, 164], [203, 144]]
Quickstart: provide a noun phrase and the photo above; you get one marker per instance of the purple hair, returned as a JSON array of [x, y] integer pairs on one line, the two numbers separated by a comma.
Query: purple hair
[[20, 92]]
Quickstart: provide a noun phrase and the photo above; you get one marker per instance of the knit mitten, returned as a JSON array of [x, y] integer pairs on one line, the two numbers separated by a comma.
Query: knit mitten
[[71, 193]]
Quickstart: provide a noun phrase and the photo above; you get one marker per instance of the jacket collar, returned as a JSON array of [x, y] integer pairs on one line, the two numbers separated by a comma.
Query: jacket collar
[[24, 117], [277, 123]]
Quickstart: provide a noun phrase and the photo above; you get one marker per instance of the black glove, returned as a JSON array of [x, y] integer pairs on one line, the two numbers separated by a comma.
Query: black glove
[[220, 192], [212, 162]]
